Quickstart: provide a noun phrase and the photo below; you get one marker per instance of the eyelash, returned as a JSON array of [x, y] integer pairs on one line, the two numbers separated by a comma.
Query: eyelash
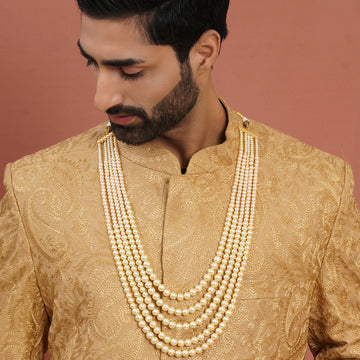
[[125, 75]]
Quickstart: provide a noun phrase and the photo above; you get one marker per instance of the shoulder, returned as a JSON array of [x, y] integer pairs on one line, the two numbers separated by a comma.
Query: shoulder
[[73, 153], [80, 144], [298, 169], [288, 151], [280, 151]]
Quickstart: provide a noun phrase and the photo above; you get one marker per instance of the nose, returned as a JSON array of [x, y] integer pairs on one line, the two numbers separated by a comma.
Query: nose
[[108, 92]]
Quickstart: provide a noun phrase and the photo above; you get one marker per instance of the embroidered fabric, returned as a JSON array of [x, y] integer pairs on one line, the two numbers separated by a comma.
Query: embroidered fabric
[[56, 263]]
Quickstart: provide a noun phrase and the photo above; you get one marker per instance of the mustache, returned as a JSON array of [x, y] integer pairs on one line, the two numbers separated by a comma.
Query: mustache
[[126, 110]]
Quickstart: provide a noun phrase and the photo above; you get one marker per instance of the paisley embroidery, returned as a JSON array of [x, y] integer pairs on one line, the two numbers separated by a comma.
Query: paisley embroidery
[[58, 265]]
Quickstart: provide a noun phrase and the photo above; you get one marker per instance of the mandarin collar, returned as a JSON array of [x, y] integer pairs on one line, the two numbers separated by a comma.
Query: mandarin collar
[[206, 160]]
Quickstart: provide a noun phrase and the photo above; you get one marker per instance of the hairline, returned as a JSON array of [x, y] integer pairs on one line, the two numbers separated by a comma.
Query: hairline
[[140, 27]]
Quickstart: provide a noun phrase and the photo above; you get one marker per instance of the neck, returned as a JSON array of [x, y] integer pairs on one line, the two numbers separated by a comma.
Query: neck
[[203, 127]]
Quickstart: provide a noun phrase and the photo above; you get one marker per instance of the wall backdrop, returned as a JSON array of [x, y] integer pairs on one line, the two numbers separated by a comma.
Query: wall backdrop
[[293, 65]]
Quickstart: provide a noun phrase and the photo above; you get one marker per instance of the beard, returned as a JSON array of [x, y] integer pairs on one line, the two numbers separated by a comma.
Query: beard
[[167, 114]]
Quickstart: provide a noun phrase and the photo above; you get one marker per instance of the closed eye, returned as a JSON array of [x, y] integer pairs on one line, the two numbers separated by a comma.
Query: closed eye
[[132, 73], [131, 76]]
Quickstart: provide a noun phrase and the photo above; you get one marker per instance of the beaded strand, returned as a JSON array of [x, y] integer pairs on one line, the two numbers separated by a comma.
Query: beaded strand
[[144, 292]]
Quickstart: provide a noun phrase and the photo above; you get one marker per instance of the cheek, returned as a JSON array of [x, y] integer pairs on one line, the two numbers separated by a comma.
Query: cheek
[[154, 88]]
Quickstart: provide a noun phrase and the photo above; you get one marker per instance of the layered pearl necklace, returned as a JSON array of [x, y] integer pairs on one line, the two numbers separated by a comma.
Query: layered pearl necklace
[[220, 285]]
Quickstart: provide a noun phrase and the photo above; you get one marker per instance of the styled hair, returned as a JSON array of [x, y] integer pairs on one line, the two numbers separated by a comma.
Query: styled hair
[[178, 23]]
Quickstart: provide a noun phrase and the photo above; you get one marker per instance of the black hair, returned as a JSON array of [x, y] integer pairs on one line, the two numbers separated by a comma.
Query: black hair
[[178, 23]]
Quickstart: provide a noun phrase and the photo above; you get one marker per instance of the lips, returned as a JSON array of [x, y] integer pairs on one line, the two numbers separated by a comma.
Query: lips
[[122, 120]]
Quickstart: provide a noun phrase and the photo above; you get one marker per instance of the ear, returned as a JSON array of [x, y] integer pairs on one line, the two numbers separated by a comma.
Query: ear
[[205, 51]]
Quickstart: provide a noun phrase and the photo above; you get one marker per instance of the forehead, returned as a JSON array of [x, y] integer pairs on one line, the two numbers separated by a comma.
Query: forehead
[[108, 38]]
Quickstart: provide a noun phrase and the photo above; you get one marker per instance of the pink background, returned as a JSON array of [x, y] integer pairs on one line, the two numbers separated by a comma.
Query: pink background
[[293, 65]]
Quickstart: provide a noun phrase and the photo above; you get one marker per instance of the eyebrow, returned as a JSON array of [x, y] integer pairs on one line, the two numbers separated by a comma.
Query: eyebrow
[[114, 62]]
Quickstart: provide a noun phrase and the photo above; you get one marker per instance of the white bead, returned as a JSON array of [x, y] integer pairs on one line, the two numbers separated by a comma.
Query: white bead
[[159, 302], [152, 324], [219, 331], [171, 310], [193, 324], [167, 339], [135, 311], [208, 312], [199, 350], [185, 312]]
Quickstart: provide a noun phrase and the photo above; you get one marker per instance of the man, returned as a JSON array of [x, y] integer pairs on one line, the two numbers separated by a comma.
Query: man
[[186, 231]]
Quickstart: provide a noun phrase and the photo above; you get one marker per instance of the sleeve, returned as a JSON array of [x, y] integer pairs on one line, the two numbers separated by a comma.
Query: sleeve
[[23, 319], [334, 328]]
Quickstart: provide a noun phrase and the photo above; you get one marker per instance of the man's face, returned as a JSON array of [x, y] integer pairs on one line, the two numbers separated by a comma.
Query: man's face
[[142, 87]]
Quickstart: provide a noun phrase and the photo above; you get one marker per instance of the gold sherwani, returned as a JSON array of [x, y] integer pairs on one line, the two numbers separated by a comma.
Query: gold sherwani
[[58, 281]]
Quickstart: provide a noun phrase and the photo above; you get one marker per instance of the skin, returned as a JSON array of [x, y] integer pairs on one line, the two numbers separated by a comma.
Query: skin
[[110, 43]]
